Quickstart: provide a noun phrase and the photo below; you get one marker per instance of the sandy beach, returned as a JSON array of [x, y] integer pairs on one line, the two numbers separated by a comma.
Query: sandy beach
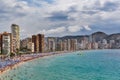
[[25, 58]]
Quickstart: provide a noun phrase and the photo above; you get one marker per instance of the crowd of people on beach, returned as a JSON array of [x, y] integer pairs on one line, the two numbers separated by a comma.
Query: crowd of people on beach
[[8, 63]]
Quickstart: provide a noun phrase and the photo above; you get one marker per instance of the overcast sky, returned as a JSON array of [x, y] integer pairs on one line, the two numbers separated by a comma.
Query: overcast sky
[[60, 17]]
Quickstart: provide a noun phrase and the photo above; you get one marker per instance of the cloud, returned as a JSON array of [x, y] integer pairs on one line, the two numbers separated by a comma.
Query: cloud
[[87, 27], [78, 28], [110, 6], [53, 31], [58, 16], [49, 15], [74, 28]]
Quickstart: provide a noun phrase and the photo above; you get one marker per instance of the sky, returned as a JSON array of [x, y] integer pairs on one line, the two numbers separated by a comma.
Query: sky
[[60, 17]]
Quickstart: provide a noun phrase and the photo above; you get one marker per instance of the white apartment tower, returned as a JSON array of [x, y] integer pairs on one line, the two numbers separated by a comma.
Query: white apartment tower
[[15, 37]]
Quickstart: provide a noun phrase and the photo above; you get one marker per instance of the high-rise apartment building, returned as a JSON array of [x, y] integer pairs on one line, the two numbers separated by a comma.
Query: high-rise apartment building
[[6, 43], [34, 40], [15, 37], [65, 45], [68, 44], [0, 43], [61, 45], [38, 41], [51, 44], [30, 46], [41, 43]]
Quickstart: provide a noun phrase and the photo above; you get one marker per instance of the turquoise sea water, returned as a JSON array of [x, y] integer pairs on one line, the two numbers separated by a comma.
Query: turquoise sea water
[[89, 65]]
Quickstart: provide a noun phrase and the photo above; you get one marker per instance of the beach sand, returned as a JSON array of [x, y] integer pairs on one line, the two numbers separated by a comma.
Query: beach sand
[[28, 58]]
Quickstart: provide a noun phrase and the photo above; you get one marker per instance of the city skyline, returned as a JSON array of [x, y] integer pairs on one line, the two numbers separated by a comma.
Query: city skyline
[[73, 35], [59, 39], [60, 18]]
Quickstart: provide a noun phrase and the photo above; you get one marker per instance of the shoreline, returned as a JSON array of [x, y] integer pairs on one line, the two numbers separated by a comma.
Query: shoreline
[[28, 57]]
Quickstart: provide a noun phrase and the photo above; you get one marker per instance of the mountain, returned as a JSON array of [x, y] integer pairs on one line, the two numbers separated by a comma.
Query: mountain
[[74, 37], [98, 36], [115, 36]]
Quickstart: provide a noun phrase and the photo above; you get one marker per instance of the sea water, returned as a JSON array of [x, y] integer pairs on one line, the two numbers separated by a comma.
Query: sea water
[[81, 65]]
